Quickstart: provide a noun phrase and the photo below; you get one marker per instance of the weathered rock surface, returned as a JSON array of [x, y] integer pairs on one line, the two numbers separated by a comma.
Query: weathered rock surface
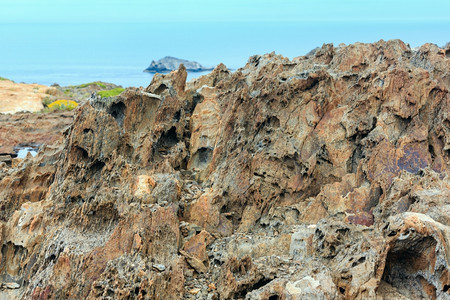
[[321, 177], [169, 63]]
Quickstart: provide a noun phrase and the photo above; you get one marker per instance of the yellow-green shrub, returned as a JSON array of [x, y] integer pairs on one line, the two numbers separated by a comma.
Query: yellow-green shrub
[[63, 105], [110, 93]]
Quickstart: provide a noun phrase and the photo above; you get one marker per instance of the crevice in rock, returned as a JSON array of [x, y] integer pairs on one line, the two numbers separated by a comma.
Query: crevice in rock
[[259, 284], [177, 116], [196, 99], [117, 111], [262, 282]]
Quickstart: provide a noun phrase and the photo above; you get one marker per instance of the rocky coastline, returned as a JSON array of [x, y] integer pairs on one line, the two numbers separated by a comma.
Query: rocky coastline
[[321, 177]]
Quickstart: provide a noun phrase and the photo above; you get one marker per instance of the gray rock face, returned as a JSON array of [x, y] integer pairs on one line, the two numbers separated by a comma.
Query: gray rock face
[[170, 63]]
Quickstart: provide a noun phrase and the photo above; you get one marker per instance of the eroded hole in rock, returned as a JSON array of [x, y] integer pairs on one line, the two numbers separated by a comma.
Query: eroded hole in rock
[[81, 153], [431, 150], [273, 122], [169, 138], [274, 297], [11, 264], [202, 157], [392, 233], [323, 156], [160, 89], [117, 111], [166, 141], [358, 262], [407, 262], [177, 116], [97, 166]]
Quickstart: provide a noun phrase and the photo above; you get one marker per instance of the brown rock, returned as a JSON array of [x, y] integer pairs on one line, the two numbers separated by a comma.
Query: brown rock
[[196, 245], [196, 263], [325, 176], [205, 214]]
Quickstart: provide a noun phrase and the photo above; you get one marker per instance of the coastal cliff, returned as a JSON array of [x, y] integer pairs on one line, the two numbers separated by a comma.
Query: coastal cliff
[[320, 177]]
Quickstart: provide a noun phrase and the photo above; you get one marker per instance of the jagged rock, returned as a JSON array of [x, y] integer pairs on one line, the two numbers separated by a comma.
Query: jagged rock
[[325, 176]]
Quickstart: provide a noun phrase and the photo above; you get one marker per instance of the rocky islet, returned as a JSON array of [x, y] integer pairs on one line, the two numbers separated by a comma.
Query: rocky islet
[[169, 63], [320, 177]]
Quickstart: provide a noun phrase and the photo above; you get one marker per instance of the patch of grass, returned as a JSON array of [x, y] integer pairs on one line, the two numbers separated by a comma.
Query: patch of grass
[[69, 93], [3, 78], [110, 93], [102, 85], [62, 105]]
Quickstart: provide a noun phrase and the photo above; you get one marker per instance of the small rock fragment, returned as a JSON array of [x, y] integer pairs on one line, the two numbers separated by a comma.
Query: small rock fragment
[[194, 262], [159, 267], [194, 291]]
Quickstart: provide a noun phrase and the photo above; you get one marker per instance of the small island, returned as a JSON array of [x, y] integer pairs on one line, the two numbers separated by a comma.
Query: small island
[[170, 63]]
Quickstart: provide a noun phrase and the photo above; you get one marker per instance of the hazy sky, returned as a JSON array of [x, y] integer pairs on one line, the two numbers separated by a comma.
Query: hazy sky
[[221, 10]]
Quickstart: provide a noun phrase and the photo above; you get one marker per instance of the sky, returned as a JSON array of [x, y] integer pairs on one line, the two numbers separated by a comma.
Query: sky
[[224, 11], [70, 41]]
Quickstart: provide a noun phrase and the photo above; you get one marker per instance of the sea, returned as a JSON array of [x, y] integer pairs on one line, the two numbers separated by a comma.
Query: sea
[[76, 53]]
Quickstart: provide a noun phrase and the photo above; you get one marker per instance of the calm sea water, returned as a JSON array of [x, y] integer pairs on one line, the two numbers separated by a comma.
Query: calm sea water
[[70, 53]]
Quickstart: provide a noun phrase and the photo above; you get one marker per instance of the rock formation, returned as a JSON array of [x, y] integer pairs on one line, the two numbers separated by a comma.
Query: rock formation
[[169, 63], [321, 177]]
